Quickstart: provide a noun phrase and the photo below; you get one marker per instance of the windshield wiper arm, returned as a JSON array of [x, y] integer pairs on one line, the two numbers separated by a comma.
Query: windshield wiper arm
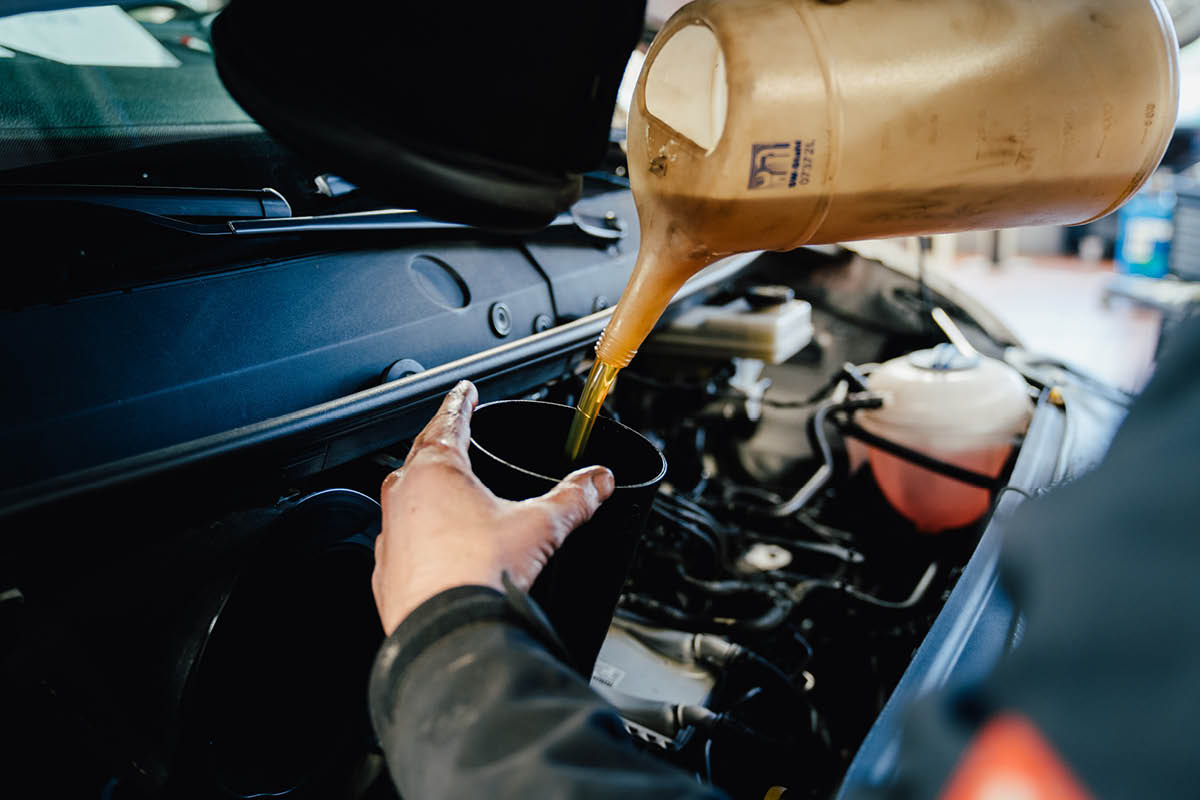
[[608, 227], [161, 201], [265, 212]]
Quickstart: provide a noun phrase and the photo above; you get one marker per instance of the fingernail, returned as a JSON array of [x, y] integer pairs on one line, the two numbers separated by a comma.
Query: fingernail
[[603, 481]]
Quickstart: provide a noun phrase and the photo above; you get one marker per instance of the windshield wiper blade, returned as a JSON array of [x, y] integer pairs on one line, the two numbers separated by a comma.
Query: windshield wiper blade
[[608, 227], [391, 219], [265, 212], [161, 201]]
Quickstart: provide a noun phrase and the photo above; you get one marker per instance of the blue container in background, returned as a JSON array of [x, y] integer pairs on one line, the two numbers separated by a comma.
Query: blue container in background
[[1185, 245], [1145, 227]]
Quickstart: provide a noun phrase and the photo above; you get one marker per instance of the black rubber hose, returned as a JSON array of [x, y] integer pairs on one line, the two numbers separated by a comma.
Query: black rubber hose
[[913, 599], [682, 646], [648, 610], [724, 588], [690, 528], [958, 473], [820, 444]]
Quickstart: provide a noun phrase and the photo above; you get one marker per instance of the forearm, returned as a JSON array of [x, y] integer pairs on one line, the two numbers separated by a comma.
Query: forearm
[[468, 703]]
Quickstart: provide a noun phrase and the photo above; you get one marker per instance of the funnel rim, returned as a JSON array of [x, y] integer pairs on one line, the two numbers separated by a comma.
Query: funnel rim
[[662, 472]]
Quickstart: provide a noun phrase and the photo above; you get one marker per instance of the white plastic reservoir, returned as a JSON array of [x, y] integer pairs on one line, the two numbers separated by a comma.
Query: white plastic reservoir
[[966, 410]]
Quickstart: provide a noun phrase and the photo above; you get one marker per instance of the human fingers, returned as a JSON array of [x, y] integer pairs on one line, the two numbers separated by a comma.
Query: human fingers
[[390, 485], [575, 499], [449, 431], [391, 481]]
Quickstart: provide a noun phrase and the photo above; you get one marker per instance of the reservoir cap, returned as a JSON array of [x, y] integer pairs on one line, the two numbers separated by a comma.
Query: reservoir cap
[[943, 399], [944, 358]]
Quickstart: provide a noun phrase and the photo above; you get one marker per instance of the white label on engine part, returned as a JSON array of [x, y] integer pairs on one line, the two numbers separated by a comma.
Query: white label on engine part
[[607, 674]]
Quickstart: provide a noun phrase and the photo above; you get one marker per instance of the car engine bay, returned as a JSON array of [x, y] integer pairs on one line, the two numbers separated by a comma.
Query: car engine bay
[[234, 301], [763, 626], [206, 630]]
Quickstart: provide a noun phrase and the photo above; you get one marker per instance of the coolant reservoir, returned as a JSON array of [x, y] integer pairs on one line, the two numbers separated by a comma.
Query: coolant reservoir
[[767, 124], [965, 410]]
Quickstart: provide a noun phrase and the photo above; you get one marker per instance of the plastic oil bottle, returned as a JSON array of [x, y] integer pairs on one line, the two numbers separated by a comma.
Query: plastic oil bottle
[[768, 124]]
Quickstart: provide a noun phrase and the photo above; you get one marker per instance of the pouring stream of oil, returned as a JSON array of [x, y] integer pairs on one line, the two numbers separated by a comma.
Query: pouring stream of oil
[[599, 382], [660, 270]]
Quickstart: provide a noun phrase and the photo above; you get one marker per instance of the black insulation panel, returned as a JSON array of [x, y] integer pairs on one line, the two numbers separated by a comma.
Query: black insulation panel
[[107, 377], [585, 282]]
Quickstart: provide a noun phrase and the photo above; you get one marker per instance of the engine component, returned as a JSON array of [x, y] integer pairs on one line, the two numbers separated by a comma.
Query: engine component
[[753, 649], [743, 328], [638, 671], [961, 408], [764, 558]]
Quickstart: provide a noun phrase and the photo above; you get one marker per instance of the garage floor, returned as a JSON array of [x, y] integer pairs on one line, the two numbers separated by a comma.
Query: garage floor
[[1056, 306]]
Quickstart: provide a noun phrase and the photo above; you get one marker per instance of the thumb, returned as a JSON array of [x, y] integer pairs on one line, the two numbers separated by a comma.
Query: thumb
[[575, 499]]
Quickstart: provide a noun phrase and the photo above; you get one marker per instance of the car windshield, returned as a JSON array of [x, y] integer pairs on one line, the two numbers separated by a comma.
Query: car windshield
[[87, 81]]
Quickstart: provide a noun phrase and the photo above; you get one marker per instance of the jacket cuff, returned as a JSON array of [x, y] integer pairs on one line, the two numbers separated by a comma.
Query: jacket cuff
[[441, 614]]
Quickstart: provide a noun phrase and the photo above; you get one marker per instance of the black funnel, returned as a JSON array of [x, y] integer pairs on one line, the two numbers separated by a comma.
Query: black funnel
[[517, 450]]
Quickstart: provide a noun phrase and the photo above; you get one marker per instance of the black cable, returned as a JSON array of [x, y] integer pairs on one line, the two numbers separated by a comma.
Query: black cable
[[701, 516], [816, 426], [645, 608], [798, 638], [913, 599], [695, 513], [1113, 393], [633, 616], [769, 621], [641, 608], [847, 372], [826, 532], [766, 668], [969, 477], [693, 507], [732, 492], [820, 445], [917, 595], [725, 588], [690, 528]]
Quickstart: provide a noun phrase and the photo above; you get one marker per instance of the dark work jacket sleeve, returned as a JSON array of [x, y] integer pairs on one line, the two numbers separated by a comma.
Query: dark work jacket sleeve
[[468, 702]]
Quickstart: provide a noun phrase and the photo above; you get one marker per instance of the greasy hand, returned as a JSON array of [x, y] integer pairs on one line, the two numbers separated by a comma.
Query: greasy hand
[[442, 528]]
